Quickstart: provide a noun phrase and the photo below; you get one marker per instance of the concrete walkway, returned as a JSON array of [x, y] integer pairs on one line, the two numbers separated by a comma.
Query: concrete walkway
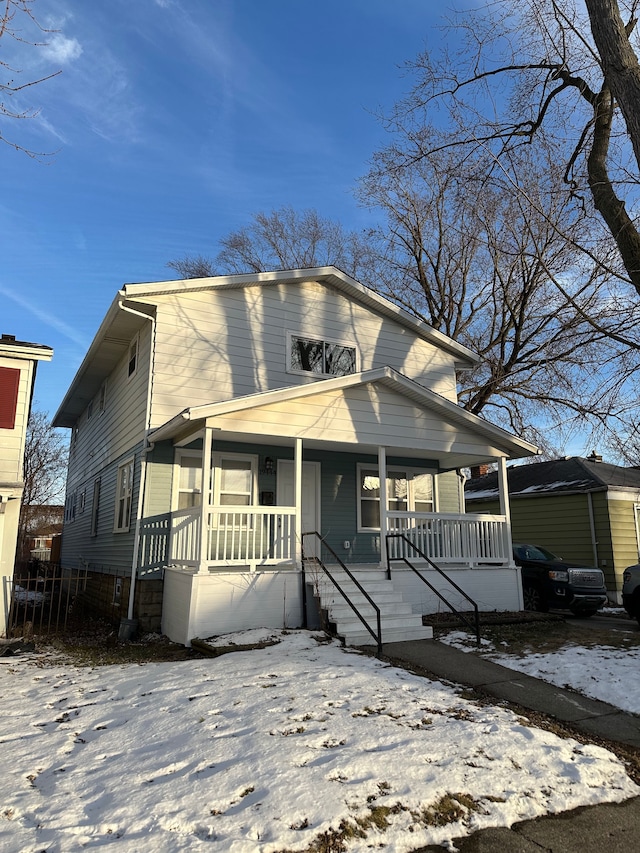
[[595, 829]]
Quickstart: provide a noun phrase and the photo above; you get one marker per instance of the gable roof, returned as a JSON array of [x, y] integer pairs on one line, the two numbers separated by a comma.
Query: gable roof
[[125, 317], [329, 275], [467, 439], [559, 476]]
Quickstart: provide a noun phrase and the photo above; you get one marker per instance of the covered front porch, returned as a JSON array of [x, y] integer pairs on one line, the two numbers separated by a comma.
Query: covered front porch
[[352, 461]]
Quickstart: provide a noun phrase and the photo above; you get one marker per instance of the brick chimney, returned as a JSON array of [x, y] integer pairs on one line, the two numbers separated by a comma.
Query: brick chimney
[[479, 471]]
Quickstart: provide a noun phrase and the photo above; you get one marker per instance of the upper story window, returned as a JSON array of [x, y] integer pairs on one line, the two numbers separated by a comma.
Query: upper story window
[[133, 357], [325, 358], [102, 397]]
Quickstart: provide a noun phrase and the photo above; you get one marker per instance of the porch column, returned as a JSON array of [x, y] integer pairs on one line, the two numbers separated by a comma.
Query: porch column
[[382, 474], [297, 486], [207, 446], [503, 490]]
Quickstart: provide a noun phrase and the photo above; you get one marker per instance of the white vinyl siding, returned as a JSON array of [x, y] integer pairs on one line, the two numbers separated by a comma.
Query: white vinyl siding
[[12, 440], [359, 416], [238, 343], [112, 433]]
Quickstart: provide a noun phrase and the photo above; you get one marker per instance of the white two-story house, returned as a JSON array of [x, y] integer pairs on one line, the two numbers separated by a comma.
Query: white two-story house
[[230, 432]]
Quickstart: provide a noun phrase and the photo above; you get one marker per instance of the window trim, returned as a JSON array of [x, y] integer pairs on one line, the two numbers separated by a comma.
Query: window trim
[[411, 472], [320, 339], [126, 464]]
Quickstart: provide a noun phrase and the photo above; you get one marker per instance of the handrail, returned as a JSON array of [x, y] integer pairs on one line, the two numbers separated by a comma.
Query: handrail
[[430, 585], [377, 637]]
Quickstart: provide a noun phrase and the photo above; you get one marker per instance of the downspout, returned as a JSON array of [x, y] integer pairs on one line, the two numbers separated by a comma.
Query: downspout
[[143, 462]]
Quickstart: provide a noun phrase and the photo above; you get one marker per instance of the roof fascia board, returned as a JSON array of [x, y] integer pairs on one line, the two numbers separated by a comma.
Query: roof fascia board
[[35, 352], [110, 317]]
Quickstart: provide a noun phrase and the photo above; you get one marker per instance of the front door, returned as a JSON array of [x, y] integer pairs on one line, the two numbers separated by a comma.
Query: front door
[[310, 498]]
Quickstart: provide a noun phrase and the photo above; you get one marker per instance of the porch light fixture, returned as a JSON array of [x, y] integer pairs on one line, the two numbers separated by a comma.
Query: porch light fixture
[[267, 466]]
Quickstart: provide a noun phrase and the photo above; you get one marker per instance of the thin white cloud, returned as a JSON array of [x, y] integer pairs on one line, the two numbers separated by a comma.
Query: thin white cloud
[[62, 50], [46, 317]]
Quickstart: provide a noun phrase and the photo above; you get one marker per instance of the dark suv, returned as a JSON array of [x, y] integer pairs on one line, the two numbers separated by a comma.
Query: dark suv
[[548, 581]]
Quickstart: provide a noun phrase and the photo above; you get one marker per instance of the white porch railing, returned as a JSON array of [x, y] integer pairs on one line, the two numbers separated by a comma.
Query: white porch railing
[[447, 538], [236, 535], [261, 535]]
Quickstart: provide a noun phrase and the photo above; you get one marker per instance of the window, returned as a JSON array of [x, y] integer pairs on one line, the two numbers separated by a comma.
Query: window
[[235, 483], [124, 492], [325, 358], [9, 384], [189, 480], [133, 357], [102, 399], [90, 411], [83, 500], [70, 508], [95, 506], [408, 490]]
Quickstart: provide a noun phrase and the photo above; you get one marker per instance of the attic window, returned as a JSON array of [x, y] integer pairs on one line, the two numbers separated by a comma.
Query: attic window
[[325, 358]]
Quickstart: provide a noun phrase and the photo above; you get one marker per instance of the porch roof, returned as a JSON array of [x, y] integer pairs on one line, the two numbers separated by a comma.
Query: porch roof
[[367, 410]]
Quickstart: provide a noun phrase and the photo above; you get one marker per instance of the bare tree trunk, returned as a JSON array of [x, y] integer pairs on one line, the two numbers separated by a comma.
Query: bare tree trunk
[[619, 62]]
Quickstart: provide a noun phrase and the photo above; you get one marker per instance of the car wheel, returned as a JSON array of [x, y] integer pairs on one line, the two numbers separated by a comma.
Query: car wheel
[[533, 599], [583, 614]]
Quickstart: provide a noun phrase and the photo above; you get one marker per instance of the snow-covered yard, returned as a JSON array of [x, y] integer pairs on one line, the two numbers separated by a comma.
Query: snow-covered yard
[[605, 672], [271, 750]]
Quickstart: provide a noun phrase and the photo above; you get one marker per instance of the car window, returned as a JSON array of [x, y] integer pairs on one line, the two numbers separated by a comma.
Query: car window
[[533, 552]]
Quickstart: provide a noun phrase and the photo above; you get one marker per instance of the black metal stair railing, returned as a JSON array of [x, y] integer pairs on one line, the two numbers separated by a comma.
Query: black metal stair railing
[[377, 635], [461, 616]]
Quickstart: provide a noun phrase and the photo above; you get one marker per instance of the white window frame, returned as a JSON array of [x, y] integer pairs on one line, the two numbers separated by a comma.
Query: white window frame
[[124, 496], [135, 344], [410, 472], [320, 339], [176, 490]]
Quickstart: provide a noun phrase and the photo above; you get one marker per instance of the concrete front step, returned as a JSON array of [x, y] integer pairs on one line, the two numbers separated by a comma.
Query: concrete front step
[[392, 608], [390, 635], [352, 623], [398, 622]]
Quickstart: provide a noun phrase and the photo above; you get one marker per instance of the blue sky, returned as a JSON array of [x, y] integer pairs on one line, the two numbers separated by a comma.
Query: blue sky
[[174, 121]]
